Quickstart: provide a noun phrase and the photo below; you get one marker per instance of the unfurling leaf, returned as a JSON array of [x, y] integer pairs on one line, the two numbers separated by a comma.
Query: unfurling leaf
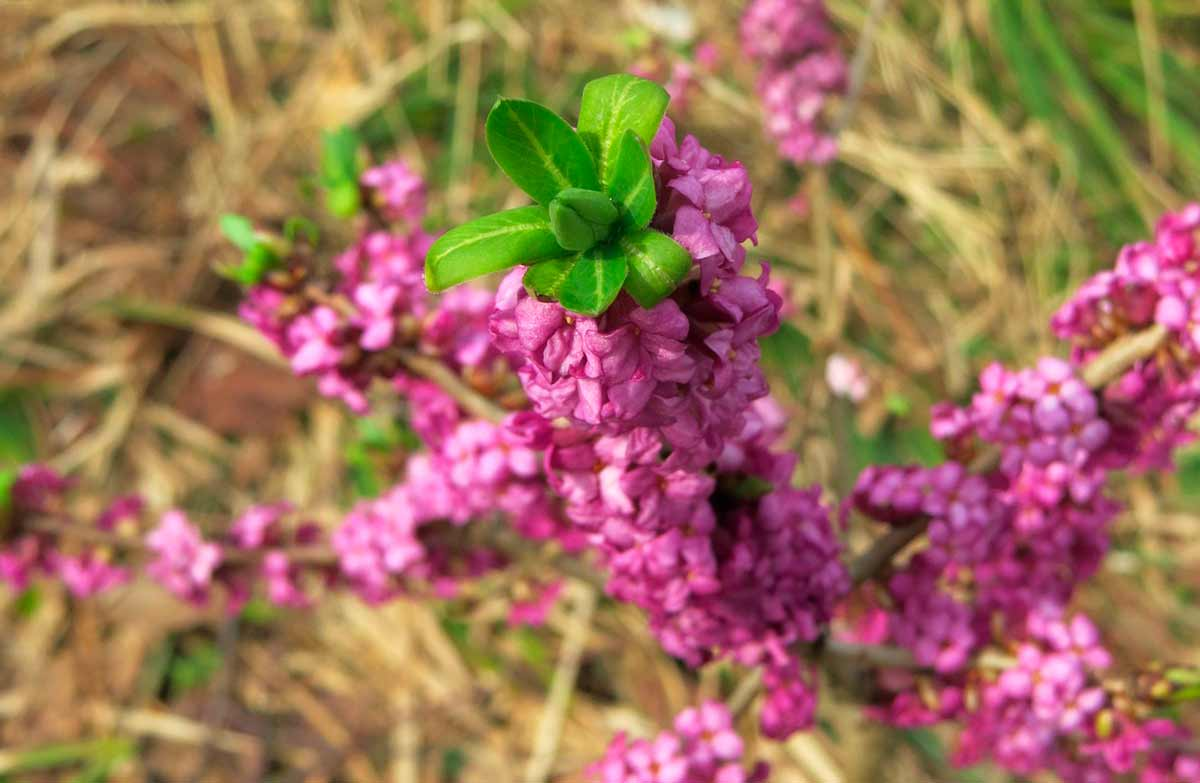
[[632, 182], [538, 150], [582, 218], [489, 244], [545, 280], [657, 264], [594, 280], [614, 104]]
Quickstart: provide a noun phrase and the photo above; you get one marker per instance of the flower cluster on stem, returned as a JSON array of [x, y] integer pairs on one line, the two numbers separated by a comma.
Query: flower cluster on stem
[[1018, 518], [801, 66]]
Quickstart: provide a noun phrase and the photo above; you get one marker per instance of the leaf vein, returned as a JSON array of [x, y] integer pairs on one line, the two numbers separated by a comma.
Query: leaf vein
[[551, 164], [499, 232]]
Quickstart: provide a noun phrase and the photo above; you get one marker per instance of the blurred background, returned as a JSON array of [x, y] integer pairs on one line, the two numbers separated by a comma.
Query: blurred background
[[999, 152]]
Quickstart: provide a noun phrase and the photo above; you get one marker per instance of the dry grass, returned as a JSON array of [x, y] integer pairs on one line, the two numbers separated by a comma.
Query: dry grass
[[944, 237]]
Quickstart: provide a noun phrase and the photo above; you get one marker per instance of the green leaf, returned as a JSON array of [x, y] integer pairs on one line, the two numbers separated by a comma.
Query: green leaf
[[489, 244], [592, 205], [8, 477], [581, 218], [632, 184], [339, 157], [656, 265], [594, 280], [340, 170], [343, 200], [538, 150], [614, 104], [239, 230], [545, 280]]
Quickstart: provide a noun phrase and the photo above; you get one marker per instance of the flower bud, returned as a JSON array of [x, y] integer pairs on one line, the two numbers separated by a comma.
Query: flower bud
[[581, 218]]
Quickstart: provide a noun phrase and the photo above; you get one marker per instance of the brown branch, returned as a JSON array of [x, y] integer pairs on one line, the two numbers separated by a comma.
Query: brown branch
[[891, 657], [869, 563], [1121, 355], [470, 400]]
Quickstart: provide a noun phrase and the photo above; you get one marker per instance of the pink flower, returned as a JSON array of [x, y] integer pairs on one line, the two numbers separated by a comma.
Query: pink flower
[[802, 67], [88, 575], [184, 562], [845, 378], [252, 529], [709, 728], [399, 191], [535, 611]]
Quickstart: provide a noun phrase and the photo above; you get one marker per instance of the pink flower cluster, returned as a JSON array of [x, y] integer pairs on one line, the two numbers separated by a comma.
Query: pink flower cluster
[[474, 471], [687, 368], [348, 332], [260, 546], [39, 491], [397, 191], [1155, 282], [664, 461], [730, 563], [261, 529], [1027, 532], [1007, 548], [702, 748], [184, 561], [1055, 693], [801, 67]]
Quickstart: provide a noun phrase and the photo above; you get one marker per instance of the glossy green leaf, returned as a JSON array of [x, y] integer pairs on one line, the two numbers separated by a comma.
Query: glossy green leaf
[[489, 244], [545, 280], [632, 182], [657, 264], [594, 280], [614, 104], [538, 150]]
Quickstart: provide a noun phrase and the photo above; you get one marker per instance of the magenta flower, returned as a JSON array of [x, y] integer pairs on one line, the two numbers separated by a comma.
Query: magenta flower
[[399, 191], [88, 574], [184, 562]]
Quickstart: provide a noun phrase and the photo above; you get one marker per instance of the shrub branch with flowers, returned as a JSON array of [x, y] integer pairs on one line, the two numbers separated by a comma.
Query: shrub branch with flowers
[[608, 397]]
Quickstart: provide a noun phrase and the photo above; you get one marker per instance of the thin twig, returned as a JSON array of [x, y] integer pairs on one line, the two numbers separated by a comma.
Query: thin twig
[[1111, 363], [550, 724], [230, 330], [743, 696], [869, 563], [470, 400], [890, 657], [858, 66]]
